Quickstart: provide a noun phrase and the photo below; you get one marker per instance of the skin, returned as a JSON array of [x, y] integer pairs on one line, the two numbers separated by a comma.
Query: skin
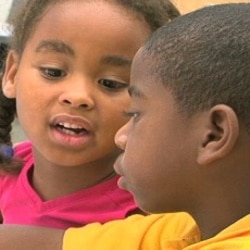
[[216, 167], [182, 170], [74, 73], [215, 143], [150, 133], [14, 237], [217, 162]]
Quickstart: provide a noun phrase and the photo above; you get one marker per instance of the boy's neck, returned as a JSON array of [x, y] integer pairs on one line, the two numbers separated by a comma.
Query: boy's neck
[[217, 214]]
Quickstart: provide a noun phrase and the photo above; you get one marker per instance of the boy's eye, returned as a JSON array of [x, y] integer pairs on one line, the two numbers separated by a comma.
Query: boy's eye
[[131, 114], [112, 85], [52, 73]]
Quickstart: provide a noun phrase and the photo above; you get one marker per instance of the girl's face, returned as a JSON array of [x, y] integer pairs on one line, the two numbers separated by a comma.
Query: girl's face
[[71, 81]]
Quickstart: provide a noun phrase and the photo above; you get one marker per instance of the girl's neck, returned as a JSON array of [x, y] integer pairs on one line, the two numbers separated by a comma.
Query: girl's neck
[[52, 181]]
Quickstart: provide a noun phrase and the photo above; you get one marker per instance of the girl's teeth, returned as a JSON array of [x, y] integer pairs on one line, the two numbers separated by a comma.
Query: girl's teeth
[[69, 132], [68, 125], [71, 129]]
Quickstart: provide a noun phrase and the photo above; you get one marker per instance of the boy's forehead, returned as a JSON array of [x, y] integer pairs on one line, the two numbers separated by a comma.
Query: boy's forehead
[[139, 70], [141, 64], [144, 78]]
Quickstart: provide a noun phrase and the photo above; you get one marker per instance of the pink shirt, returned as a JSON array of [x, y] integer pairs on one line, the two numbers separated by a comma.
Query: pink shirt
[[20, 204]]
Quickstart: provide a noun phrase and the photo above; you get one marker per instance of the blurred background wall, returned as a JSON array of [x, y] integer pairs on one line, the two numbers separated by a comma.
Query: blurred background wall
[[188, 5]]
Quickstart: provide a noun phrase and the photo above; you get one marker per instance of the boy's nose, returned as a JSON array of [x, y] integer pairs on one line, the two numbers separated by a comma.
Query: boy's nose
[[121, 137]]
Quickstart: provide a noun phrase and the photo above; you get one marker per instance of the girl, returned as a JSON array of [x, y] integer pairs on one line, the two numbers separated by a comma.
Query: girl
[[66, 77]]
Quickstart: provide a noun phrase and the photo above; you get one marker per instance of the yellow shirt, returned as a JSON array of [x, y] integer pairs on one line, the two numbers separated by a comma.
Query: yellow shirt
[[176, 231], [152, 232], [234, 237]]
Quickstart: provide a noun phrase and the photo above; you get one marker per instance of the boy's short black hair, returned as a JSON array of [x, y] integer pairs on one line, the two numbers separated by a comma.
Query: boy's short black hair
[[203, 58]]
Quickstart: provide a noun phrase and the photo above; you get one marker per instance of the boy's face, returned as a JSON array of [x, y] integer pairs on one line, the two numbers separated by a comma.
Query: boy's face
[[159, 145]]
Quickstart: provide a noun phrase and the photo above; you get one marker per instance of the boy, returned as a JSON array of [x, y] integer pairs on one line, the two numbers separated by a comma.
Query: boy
[[190, 126], [190, 129]]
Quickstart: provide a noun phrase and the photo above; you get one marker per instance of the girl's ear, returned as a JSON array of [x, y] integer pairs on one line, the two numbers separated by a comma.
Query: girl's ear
[[220, 134], [8, 81]]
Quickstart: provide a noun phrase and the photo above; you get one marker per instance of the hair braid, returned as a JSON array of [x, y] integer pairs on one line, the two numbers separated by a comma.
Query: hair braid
[[7, 115]]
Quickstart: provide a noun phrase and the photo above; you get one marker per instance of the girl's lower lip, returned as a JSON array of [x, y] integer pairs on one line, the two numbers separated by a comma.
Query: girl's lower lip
[[70, 140]]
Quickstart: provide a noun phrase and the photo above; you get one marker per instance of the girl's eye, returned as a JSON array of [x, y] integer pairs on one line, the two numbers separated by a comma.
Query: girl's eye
[[52, 73], [112, 85]]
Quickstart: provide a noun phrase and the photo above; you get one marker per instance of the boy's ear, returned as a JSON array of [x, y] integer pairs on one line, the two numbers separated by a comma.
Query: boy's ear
[[8, 81], [220, 134]]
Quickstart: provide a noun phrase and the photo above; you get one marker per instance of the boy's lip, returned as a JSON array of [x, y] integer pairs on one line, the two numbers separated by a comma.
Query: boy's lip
[[117, 164], [71, 121]]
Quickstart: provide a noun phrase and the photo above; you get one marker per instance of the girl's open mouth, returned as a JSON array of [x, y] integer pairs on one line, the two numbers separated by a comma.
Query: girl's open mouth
[[71, 129]]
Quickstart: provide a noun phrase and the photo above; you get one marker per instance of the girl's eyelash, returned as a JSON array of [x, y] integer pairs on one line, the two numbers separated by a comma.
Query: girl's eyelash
[[52, 72]]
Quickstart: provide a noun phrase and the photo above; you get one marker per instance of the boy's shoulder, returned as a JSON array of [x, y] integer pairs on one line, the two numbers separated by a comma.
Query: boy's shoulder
[[236, 236], [158, 231]]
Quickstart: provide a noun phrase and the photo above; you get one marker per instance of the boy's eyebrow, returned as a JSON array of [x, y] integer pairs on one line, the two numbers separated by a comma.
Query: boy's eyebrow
[[135, 92], [116, 60], [55, 46]]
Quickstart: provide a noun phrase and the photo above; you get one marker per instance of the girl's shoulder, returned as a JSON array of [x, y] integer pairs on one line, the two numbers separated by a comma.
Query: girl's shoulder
[[23, 149]]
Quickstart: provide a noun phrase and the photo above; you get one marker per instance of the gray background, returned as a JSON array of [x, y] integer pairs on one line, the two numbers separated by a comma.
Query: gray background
[[17, 132]]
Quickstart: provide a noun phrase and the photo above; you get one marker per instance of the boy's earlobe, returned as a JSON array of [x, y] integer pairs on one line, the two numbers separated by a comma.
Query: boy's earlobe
[[221, 134], [8, 81]]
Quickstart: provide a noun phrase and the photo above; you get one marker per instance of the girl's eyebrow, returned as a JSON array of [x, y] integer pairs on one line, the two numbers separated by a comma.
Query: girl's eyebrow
[[55, 46], [58, 46]]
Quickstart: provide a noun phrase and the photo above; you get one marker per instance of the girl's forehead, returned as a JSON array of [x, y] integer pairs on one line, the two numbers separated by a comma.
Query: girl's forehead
[[91, 16], [97, 8], [95, 28]]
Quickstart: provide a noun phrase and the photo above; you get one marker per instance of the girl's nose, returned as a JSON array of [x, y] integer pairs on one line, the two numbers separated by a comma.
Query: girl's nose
[[78, 95], [121, 137]]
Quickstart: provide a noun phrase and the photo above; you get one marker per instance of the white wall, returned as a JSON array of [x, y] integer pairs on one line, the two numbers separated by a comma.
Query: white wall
[[5, 6]]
